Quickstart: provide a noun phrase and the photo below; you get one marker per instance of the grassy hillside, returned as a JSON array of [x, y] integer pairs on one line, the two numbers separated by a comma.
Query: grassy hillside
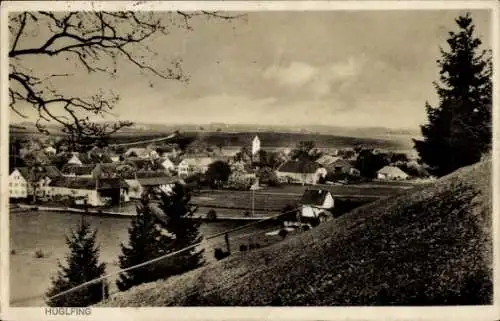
[[427, 246]]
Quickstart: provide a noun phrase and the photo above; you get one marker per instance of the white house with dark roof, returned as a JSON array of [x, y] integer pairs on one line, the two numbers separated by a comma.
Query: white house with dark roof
[[298, 171], [24, 181], [139, 184], [167, 164], [98, 192], [314, 202], [75, 160], [190, 166]]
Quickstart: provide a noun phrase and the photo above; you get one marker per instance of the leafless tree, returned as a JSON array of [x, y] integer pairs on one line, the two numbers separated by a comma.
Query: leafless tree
[[95, 41]]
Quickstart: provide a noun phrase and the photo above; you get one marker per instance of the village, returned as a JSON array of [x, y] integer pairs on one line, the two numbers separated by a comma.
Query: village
[[111, 176]]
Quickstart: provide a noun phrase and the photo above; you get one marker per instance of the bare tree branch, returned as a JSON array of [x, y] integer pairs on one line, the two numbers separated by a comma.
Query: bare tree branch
[[95, 41]]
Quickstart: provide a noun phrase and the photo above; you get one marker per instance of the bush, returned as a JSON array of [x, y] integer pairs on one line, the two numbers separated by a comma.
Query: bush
[[243, 248], [220, 254], [212, 215], [39, 254]]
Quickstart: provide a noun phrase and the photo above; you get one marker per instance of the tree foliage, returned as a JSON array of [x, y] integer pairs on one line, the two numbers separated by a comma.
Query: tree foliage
[[147, 241], [267, 176], [369, 162], [179, 221], [82, 266], [156, 232], [218, 172], [459, 127], [303, 150], [95, 41]]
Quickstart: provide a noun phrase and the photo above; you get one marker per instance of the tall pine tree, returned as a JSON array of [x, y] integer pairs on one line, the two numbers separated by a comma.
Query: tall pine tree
[[178, 212], [82, 266], [459, 129], [147, 240]]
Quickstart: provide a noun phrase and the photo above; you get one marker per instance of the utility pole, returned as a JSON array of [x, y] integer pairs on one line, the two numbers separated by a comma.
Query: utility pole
[[253, 202]]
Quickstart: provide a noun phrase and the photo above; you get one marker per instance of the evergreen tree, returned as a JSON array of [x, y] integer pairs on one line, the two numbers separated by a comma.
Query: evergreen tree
[[82, 266], [147, 240], [178, 213], [459, 128]]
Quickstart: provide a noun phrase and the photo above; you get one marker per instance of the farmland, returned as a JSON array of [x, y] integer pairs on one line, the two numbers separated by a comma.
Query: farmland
[[272, 200]]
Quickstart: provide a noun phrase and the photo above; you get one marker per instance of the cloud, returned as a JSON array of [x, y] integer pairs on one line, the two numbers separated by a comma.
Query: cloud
[[295, 75], [318, 81]]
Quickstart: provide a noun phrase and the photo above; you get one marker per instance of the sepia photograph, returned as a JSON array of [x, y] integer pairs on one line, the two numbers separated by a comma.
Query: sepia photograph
[[266, 154]]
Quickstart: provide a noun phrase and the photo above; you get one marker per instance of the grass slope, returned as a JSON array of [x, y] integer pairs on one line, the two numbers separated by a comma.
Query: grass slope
[[428, 246]]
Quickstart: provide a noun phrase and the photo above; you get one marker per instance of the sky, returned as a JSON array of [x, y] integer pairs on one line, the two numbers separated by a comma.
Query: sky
[[348, 68]]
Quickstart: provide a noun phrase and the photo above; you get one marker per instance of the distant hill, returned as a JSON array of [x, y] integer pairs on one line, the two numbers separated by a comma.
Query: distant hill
[[238, 135], [427, 246]]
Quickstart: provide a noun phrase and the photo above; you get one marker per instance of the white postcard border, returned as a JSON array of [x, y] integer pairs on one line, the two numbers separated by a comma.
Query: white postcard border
[[240, 313]]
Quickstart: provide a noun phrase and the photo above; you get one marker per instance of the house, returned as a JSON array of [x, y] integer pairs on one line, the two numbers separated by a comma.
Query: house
[[74, 170], [145, 164], [74, 160], [50, 150], [167, 164], [139, 184], [391, 173], [315, 202], [336, 165], [25, 181], [138, 152], [189, 166], [242, 173], [321, 173], [95, 192], [106, 170], [298, 171]]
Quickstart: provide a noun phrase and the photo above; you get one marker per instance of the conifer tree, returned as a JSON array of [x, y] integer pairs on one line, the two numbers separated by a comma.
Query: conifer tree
[[147, 240], [82, 266], [178, 211], [459, 128]]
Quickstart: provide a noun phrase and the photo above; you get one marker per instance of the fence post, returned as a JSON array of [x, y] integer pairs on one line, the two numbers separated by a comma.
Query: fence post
[[103, 284], [226, 238], [299, 221]]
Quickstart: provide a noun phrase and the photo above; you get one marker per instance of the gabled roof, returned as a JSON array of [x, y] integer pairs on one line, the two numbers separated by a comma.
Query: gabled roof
[[78, 170], [33, 174], [314, 197], [332, 161], [145, 164], [299, 166], [199, 161], [145, 174], [391, 170], [88, 183], [327, 159], [157, 181], [138, 151]]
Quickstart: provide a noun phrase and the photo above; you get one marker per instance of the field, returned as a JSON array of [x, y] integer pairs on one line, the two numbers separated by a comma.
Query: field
[[277, 139], [275, 199]]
